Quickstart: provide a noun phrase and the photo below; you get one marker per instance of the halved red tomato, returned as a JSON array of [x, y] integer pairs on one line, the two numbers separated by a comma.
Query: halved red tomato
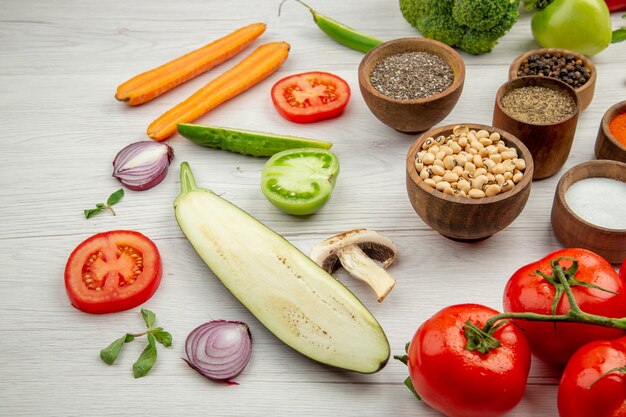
[[310, 96], [112, 271]]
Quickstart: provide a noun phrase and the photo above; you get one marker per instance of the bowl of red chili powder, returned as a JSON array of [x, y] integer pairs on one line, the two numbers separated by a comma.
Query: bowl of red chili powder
[[611, 140]]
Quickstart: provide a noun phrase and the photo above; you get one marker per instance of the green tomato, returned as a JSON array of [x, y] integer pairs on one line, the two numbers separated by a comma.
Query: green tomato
[[300, 181], [583, 26]]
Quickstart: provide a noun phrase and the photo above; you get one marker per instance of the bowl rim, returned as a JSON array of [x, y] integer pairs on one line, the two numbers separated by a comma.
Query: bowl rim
[[610, 114], [364, 79], [528, 80], [508, 137], [514, 67], [561, 190]]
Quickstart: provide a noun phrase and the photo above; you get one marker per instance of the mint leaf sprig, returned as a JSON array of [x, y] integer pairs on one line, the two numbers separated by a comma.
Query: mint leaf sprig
[[113, 199], [149, 355]]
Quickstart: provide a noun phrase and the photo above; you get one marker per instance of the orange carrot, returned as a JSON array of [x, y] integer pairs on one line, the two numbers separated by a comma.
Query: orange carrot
[[254, 68], [151, 84]]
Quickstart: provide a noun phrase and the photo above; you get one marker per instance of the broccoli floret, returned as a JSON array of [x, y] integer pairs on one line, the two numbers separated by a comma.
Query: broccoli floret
[[474, 26], [479, 14]]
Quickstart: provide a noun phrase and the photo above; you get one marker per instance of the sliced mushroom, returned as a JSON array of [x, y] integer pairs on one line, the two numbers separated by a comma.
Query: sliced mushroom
[[358, 251]]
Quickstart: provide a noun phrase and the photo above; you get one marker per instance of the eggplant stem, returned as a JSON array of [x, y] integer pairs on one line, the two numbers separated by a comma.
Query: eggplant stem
[[187, 181]]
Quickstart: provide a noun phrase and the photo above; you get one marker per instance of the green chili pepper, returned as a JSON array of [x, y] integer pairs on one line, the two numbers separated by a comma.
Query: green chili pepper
[[339, 32]]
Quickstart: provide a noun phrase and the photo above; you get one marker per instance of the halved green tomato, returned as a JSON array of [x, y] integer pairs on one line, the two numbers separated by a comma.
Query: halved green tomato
[[300, 181]]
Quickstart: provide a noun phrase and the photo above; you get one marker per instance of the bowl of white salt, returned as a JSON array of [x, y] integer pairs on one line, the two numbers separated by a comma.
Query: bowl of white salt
[[589, 209]]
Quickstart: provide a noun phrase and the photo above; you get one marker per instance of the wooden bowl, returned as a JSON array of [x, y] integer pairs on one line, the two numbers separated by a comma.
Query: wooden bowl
[[411, 116], [585, 93], [460, 218], [575, 232], [549, 144], [607, 146]]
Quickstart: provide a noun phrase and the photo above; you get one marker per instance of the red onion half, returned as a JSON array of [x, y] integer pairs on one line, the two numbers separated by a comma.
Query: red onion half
[[142, 165], [219, 349]]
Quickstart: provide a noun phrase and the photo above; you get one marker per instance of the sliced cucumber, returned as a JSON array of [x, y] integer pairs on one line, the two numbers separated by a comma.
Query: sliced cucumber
[[245, 142], [288, 293]]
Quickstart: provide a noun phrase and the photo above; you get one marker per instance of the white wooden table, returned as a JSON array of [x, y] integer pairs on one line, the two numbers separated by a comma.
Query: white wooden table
[[60, 63]]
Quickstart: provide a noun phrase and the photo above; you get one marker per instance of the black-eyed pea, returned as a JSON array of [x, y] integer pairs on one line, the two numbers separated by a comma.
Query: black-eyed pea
[[448, 162], [491, 190], [470, 167], [491, 149], [482, 134], [438, 170], [485, 141], [495, 136], [477, 145], [460, 159], [484, 153], [507, 186], [501, 146], [496, 157], [428, 143], [508, 164], [464, 184], [499, 179], [461, 193], [450, 177], [456, 148], [498, 169], [448, 190], [479, 182], [446, 150], [472, 151], [458, 170], [419, 165], [428, 159], [425, 173], [430, 182], [433, 149], [440, 140], [460, 130], [490, 177], [489, 164], [463, 141], [517, 177], [508, 154], [440, 155], [442, 185], [474, 193], [520, 164], [507, 176], [438, 162], [478, 161], [480, 171]]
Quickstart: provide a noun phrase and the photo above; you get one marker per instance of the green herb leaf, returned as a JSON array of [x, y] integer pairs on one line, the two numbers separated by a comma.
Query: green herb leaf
[[92, 212], [146, 359], [115, 197], [619, 35], [148, 317], [129, 338], [409, 385], [109, 354], [162, 337]]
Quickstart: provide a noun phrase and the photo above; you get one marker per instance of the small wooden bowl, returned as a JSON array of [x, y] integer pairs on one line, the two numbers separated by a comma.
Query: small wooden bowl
[[411, 116], [549, 144], [607, 146], [572, 230], [585, 93], [467, 219]]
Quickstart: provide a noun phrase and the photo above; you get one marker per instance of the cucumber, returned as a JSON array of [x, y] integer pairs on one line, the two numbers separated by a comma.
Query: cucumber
[[245, 142], [287, 292]]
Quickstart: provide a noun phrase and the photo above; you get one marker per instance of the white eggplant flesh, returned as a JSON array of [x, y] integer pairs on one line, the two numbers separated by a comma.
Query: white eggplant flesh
[[287, 292]]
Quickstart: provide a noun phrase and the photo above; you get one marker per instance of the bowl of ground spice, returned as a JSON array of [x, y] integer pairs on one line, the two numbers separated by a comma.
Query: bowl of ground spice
[[611, 140], [572, 68], [542, 112], [589, 208], [468, 181], [411, 84]]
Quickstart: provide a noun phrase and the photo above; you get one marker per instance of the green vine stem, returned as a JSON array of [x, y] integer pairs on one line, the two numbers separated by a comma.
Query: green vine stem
[[563, 283]]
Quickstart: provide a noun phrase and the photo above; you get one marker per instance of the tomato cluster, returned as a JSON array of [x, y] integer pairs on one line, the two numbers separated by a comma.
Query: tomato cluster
[[469, 360]]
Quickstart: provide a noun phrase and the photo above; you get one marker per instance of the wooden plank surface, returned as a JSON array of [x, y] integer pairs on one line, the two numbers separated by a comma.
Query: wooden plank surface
[[60, 63]]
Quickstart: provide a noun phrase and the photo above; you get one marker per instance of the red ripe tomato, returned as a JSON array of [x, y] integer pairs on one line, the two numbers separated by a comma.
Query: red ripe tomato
[[310, 96], [463, 383], [529, 291], [622, 271], [112, 271], [591, 384]]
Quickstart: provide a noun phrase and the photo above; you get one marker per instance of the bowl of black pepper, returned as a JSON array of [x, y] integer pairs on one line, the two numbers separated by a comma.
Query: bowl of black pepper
[[572, 68], [411, 84]]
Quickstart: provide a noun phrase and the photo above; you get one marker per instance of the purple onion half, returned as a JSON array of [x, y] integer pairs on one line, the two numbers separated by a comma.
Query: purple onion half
[[219, 349], [142, 165]]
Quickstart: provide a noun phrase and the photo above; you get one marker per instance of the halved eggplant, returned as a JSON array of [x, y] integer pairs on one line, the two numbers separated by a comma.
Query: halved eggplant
[[291, 295]]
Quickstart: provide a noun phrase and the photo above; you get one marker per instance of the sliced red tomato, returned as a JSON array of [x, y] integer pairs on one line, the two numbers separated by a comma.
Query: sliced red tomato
[[310, 96], [112, 271]]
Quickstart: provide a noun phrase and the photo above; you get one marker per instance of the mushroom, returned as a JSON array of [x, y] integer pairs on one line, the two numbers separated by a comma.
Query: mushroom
[[357, 251]]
